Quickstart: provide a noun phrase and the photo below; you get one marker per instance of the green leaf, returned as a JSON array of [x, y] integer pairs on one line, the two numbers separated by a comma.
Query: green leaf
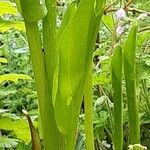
[[7, 8], [100, 79], [32, 11], [8, 142], [142, 37], [116, 66], [100, 120], [14, 77], [146, 6], [19, 127], [109, 22], [3, 60], [75, 47], [137, 147], [7, 25], [68, 16], [3, 110], [130, 80]]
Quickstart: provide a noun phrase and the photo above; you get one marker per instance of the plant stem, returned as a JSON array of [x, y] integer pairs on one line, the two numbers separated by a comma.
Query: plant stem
[[46, 113], [89, 112], [38, 68]]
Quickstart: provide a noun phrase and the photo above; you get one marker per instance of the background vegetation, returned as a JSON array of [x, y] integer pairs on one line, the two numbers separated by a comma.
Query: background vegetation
[[17, 89]]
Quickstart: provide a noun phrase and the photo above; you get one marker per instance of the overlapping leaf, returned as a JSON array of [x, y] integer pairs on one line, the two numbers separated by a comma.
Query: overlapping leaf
[[75, 46]]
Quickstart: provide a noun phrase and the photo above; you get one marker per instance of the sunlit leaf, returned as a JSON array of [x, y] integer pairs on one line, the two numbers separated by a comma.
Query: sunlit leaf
[[3, 110], [100, 79], [109, 22], [7, 8], [137, 147], [19, 126], [3, 60], [14, 77], [7, 25]]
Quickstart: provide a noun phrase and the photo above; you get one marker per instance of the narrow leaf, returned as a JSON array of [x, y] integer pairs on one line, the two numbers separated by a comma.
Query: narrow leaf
[[130, 80], [116, 66]]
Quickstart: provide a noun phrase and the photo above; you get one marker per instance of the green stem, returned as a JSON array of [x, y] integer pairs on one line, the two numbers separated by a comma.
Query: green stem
[[71, 137], [49, 38], [38, 68], [89, 112], [46, 113]]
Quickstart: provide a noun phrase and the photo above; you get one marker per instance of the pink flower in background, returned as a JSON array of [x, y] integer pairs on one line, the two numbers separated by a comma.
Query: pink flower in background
[[120, 14], [120, 30]]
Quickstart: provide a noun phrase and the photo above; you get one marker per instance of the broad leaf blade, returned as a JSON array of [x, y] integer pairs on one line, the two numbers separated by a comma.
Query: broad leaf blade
[[75, 53]]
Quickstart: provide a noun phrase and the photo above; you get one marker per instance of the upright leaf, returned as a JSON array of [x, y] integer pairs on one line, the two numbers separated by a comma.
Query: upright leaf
[[116, 65], [52, 137], [33, 11], [130, 80], [75, 48]]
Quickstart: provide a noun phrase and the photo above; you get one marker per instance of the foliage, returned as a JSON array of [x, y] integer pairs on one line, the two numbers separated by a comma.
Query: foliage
[[18, 126], [7, 7], [13, 77], [15, 59], [7, 25], [8, 16], [117, 97], [8, 142]]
